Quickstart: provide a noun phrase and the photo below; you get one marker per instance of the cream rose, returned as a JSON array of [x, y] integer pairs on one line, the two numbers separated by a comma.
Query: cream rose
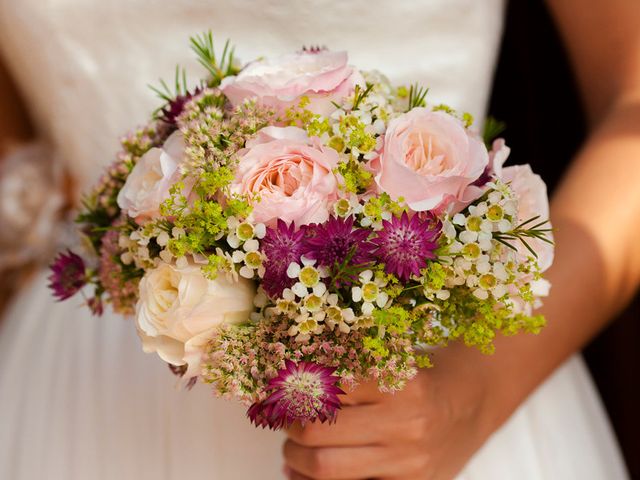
[[179, 309], [291, 174], [148, 184], [429, 159], [279, 82]]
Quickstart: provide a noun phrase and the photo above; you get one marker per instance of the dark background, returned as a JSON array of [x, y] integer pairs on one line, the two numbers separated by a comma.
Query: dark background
[[535, 94]]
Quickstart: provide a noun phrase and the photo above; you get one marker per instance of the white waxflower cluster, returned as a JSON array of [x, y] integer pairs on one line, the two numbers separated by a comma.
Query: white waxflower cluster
[[479, 260], [135, 246], [244, 238], [369, 293]]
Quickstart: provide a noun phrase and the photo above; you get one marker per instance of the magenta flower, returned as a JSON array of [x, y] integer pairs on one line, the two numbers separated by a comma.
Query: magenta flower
[[174, 108], [96, 306], [68, 275], [336, 242], [281, 245], [404, 245], [305, 392]]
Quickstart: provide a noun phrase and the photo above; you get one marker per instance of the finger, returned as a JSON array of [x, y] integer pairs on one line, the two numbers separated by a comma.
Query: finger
[[366, 393], [332, 463], [353, 428], [293, 475]]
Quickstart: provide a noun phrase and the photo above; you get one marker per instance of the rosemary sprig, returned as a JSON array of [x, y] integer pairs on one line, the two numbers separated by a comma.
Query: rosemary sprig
[[179, 88], [203, 47], [417, 96], [360, 94], [520, 233]]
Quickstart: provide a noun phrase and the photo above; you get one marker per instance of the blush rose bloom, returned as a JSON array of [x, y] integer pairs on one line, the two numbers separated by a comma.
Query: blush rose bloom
[[429, 159], [179, 309], [291, 174], [279, 82], [532, 201], [148, 184]]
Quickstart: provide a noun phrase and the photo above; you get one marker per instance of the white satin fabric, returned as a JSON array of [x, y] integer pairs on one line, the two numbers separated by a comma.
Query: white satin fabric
[[78, 398]]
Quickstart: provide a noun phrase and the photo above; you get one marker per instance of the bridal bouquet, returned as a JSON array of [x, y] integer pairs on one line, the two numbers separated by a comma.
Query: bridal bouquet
[[293, 227]]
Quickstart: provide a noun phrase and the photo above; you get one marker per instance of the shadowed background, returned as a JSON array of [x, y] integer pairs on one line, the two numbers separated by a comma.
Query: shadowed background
[[536, 96]]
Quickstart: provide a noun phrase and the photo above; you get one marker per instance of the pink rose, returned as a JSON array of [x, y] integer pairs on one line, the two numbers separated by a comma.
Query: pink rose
[[291, 174], [429, 159], [532, 201], [148, 184], [280, 82]]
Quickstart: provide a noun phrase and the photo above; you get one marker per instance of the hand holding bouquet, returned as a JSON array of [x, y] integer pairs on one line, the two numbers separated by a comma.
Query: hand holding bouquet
[[289, 229]]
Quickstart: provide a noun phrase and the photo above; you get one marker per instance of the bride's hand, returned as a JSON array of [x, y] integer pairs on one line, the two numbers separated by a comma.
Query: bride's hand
[[429, 430]]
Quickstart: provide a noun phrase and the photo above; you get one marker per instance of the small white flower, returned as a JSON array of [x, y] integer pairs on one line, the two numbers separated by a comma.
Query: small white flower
[[448, 229], [166, 256], [162, 239], [499, 291], [233, 240], [495, 197], [468, 236], [504, 225], [459, 219], [126, 258], [261, 299], [480, 294], [369, 292], [478, 210], [251, 245]]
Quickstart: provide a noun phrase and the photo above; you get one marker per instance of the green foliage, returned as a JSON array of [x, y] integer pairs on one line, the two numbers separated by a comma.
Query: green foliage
[[356, 178], [220, 68], [417, 96], [360, 94], [179, 87], [376, 346], [434, 275], [211, 182], [492, 129], [521, 233], [395, 320]]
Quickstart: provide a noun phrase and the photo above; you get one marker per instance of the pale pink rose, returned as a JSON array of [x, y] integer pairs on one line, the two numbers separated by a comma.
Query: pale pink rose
[[497, 156], [532, 201], [148, 184], [429, 159], [291, 174], [280, 82], [180, 309]]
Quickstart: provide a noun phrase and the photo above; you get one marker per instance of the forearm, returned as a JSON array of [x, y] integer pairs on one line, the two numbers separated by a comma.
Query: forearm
[[596, 214]]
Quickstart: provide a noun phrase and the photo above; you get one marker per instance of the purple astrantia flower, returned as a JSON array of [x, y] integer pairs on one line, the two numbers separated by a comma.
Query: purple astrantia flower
[[68, 275], [304, 392], [404, 245], [337, 241], [174, 108], [282, 246]]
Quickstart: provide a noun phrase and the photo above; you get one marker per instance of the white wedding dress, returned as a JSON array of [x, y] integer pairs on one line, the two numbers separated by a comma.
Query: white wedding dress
[[78, 398]]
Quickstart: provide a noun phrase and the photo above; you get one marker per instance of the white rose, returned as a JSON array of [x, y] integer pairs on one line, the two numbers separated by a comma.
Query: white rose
[[148, 184], [179, 308]]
